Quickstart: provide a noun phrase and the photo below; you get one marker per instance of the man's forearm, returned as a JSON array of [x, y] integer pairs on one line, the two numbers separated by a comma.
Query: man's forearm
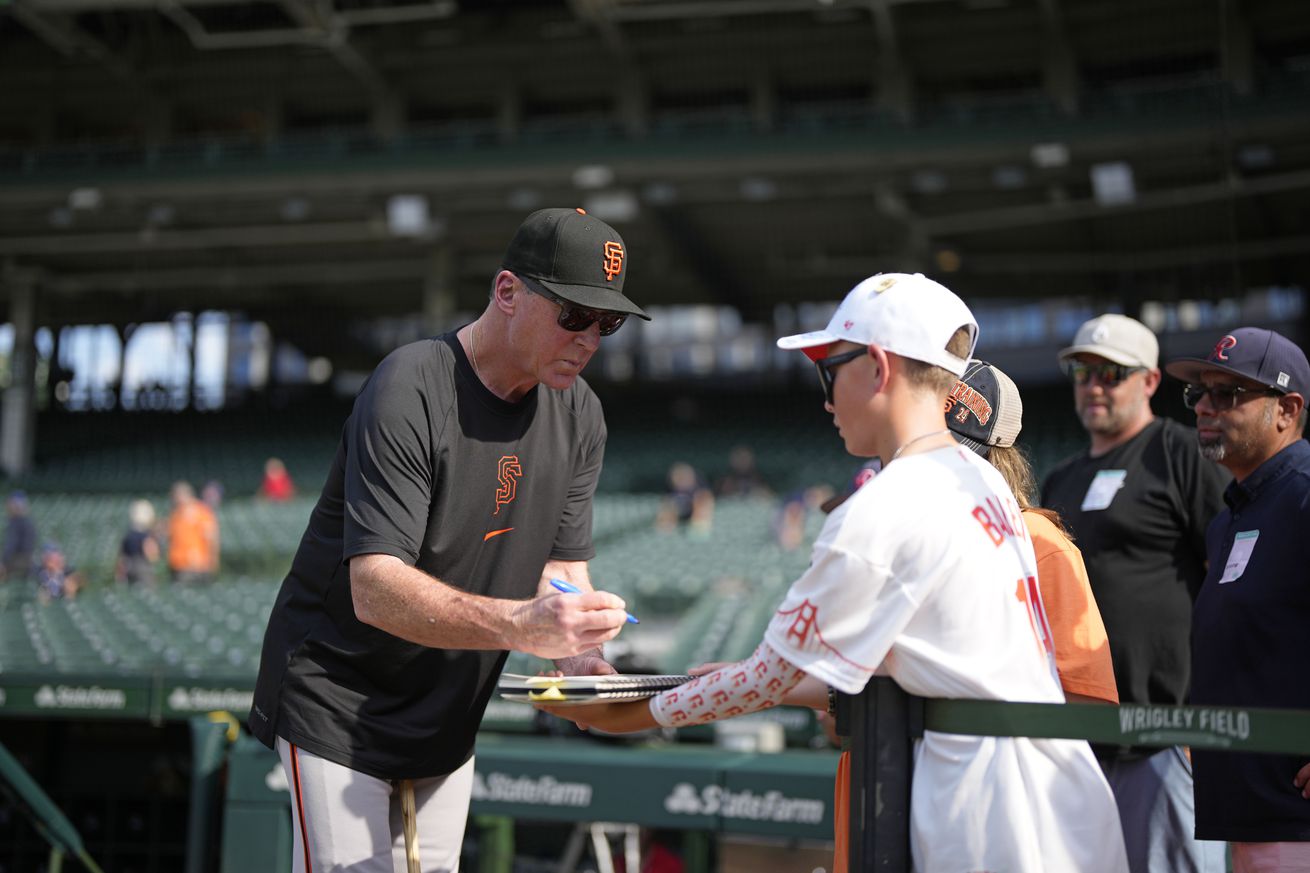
[[408, 603]]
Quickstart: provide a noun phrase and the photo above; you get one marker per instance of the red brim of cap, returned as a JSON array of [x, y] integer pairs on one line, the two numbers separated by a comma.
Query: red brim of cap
[[817, 353]]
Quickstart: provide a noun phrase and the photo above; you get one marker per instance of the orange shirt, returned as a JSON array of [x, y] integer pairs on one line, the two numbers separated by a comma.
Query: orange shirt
[[1082, 650], [193, 538]]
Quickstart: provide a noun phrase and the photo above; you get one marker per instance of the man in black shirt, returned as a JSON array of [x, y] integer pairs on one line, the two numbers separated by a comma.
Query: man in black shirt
[[462, 485], [1248, 642], [1138, 502]]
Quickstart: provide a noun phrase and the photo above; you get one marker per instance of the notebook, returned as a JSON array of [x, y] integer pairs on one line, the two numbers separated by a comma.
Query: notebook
[[565, 690]]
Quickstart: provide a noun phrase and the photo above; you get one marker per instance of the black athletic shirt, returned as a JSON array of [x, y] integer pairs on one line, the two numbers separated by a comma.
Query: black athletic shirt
[[480, 493], [1250, 649], [1145, 552]]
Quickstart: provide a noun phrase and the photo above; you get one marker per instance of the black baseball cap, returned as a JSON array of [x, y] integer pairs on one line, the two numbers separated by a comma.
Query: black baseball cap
[[574, 256], [984, 408], [1254, 353]]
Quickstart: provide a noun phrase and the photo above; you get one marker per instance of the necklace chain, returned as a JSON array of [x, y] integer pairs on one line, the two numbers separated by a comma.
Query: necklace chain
[[473, 347], [923, 436]]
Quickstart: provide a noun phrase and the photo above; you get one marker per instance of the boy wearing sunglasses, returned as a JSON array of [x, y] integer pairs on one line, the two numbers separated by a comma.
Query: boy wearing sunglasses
[[462, 486], [928, 574], [1138, 502]]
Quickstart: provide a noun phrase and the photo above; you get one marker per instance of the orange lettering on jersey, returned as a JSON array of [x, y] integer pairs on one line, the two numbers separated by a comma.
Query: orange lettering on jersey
[[613, 264], [997, 514], [507, 473], [1029, 594], [992, 530]]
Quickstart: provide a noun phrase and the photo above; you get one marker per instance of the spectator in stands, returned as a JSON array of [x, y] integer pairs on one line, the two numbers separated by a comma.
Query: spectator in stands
[[277, 484], [793, 512], [193, 538], [138, 553], [688, 502], [915, 575], [211, 494], [743, 478], [1248, 637], [20, 539], [1138, 502], [55, 580], [462, 486]]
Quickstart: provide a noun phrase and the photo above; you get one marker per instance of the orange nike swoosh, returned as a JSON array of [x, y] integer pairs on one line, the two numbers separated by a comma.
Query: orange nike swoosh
[[496, 533]]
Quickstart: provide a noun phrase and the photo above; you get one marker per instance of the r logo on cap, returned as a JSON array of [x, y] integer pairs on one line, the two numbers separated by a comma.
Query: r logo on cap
[[1222, 346], [613, 259]]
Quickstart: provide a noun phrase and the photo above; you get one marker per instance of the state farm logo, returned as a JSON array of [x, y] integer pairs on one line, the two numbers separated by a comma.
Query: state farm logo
[[539, 791], [209, 699], [717, 800], [74, 697]]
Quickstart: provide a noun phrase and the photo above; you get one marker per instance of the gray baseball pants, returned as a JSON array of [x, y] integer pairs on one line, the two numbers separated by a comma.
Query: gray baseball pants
[[344, 820]]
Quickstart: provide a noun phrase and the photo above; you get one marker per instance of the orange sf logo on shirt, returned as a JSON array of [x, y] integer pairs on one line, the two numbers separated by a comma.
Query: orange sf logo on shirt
[[613, 259], [507, 474]]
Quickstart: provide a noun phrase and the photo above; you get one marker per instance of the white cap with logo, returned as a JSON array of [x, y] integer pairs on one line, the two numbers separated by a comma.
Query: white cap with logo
[[904, 313], [1117, 338]]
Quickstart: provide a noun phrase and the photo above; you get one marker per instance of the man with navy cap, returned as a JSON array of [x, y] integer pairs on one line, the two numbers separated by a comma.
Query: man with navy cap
[[1248, 630]]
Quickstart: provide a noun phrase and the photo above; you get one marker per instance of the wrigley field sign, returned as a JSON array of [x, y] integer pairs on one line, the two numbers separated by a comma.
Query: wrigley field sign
[[1245, 729]]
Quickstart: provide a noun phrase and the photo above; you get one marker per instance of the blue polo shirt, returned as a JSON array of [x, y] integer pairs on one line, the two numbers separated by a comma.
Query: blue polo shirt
[[1250, 647]]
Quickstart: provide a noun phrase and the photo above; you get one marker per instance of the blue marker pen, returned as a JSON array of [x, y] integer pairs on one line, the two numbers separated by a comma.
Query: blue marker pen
[[561, 585]]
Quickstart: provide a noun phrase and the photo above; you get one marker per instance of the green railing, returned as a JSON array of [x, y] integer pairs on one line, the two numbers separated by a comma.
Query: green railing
[[1234, 729], [45, 816], [883, 722]]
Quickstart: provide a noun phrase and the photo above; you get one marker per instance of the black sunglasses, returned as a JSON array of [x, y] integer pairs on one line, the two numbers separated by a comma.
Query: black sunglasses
[[1222, 397], [578, 318], [1107, 374], [827, 365]]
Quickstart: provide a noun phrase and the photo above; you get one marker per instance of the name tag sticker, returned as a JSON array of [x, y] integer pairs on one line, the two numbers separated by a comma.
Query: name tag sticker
[[1103, 488], [1239, 555]]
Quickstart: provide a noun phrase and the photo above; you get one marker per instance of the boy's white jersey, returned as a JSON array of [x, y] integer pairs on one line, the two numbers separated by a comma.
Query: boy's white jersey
[[927, 574]]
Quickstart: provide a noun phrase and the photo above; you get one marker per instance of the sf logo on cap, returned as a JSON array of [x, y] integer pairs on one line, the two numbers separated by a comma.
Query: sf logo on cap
[[1222, 346], [613, 259]]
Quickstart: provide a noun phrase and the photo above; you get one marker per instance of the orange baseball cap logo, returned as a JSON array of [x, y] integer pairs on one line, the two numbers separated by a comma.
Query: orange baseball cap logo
[[613, 259]]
